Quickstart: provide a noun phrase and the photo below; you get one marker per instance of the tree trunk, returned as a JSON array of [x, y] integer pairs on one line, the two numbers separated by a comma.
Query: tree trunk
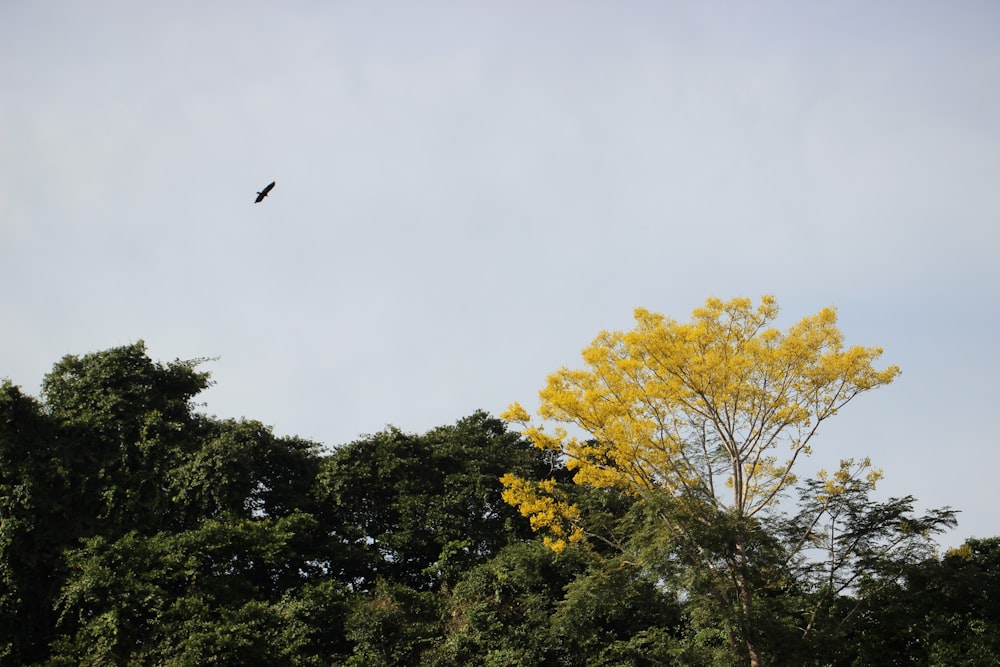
[[745, 597]]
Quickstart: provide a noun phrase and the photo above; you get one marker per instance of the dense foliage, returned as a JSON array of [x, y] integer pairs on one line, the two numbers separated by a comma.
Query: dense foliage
[[135, 530]]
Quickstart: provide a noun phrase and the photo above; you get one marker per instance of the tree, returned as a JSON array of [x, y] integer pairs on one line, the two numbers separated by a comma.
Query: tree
[[843, 548], [240, 468], [615, 614], [962, 621], [697, 414], [499, 612], [91, 458], [34, 526], [124, 422], [392, 625], [129, 522], [231, 592], [942, 611], [528, 605], [134, 530], [419, 509]]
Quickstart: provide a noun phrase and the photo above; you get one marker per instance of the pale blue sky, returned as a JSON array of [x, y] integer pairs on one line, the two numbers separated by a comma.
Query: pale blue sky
[[469, 191]]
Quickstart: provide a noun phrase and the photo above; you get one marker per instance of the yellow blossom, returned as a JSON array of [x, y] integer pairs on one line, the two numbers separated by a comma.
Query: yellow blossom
[[725, 404]]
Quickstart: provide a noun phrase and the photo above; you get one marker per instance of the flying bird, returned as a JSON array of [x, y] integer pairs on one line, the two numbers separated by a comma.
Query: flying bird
[[263, 193]]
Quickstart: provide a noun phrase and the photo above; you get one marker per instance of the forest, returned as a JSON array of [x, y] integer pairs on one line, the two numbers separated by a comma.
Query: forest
[[137, 530]]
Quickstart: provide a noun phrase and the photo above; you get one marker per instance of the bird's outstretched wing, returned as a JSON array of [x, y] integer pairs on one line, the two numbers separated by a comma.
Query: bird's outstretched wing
[[263, 193]]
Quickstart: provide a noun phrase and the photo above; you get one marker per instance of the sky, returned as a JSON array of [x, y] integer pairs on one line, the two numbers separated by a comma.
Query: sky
[[469, 192]]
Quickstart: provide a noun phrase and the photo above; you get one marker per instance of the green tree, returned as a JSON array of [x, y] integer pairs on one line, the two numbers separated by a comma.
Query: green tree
[[240, 468], [136, 522], [940, 612], [34, 526], [91, 458], [229, 592], [392, 624], [843, 547], [124, 421], [498, 614], [617, 614], [585, 606], [419, 509], [962, 623]]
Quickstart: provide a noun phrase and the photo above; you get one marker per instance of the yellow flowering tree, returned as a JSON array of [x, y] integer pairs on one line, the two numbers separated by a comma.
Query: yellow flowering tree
[[716, 411]]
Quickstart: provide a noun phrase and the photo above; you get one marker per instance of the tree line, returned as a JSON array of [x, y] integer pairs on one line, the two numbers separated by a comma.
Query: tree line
[[136, 530]]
